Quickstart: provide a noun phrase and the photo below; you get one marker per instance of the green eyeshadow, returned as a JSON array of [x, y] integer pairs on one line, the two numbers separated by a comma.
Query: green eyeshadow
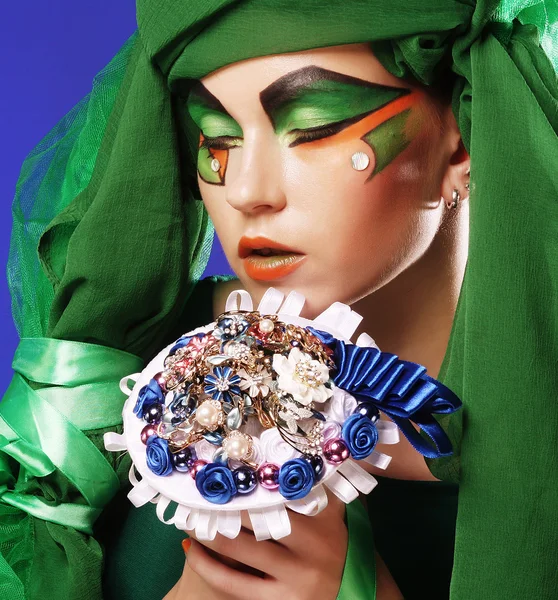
[[210, 115], [388, 140], [313, 97]]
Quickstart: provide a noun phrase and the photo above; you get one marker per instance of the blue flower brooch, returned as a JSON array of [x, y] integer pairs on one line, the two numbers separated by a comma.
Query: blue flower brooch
[[262, 409]]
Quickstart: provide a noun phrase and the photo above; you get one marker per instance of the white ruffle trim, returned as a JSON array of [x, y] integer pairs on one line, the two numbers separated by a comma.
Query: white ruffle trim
[[271, 522]]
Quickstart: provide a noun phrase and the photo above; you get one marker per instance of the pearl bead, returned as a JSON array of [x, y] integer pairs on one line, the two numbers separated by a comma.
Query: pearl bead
[[184, 460], [161, 381], [236, 447], [197, 467], [207, 414], [147, 432], [368, 410], [245, 479], [268, 476], [336, 451], [317, 464], [154, 413], [266, 325]]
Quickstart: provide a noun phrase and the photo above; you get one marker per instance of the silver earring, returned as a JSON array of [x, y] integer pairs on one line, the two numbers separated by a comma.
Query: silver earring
[[455, 198], [215, 165], [360, 161]]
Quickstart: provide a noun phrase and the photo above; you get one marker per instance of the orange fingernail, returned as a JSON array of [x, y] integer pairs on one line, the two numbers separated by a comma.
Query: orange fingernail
[[186, 545]]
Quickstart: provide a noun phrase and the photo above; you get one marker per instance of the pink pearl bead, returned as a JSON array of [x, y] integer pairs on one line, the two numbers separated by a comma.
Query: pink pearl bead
[[161, 380], [197, 467], [149, 430], [335, 451], [268, 476]]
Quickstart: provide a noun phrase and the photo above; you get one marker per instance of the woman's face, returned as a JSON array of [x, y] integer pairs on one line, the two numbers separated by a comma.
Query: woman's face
[[279, 135]]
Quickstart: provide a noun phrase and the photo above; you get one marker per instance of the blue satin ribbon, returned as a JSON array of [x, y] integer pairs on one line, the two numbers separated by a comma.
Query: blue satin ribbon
[[399, 388]]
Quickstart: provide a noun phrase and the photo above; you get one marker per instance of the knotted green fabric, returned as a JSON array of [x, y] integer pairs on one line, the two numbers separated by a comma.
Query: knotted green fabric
[[126, 242]]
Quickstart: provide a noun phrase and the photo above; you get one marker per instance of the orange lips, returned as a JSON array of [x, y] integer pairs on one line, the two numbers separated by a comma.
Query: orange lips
[[268, 268]]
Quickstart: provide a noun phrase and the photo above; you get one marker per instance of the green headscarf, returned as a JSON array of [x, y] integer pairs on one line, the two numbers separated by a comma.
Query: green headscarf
[[111, 196]]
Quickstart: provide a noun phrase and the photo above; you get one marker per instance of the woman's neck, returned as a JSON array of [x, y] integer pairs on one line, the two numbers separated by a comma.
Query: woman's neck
[[412, 316]]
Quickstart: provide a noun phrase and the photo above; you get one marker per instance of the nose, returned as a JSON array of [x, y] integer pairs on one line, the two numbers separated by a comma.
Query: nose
[[257, 186]]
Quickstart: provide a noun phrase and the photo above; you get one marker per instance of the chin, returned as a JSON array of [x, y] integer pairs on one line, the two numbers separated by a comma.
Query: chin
[[318, 297]]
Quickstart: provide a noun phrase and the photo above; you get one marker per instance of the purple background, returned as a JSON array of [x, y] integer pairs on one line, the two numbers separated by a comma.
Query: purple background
[[50, 52]]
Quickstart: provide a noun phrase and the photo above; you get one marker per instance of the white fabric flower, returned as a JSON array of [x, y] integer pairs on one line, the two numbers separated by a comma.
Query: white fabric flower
[[275, 449], [302, 376], [205, 450], [341, 406], [257, 383]]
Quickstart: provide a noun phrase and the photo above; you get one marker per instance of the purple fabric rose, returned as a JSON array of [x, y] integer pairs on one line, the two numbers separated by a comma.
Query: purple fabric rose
[[296, 479], [158, 456], [360, 435], [215, 483], [148, 395]]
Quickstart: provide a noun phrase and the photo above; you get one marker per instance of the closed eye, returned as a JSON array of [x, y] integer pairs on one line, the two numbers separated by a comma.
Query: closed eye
[[303, 136], [224, 142], [312, 134]]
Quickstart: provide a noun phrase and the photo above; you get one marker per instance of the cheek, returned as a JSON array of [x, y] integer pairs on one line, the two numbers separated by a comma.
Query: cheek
[[222, 216], [366, 232]]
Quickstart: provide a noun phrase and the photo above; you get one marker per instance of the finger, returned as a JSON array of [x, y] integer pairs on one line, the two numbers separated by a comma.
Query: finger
[[312, 531], [309, 532], [266, 557], [224, 579], [227, 560]]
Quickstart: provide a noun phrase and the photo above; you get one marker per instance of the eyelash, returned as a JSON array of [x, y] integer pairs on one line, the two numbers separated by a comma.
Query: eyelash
[[304, 136], [224, 142]]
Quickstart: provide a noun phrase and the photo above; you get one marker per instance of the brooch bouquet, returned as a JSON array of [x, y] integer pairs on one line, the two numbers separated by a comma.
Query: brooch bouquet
[[261, 409]]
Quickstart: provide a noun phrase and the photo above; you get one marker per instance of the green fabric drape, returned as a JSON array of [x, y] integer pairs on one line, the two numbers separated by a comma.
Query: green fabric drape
[[119, 255], [124, 242]]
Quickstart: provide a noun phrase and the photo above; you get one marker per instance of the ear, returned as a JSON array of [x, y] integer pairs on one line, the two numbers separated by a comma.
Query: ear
[[458, 169]]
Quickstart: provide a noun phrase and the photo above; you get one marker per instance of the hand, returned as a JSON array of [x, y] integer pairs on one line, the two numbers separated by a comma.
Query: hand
[[305, 565], [192, 587]]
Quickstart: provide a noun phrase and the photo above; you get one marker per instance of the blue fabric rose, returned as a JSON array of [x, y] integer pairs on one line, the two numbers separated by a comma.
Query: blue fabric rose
[[215, 483], [296, 479], [360, 435], [148, 395], [158, 456]]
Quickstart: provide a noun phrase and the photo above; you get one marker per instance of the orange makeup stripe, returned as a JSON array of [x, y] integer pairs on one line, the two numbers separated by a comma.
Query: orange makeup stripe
[[221, 155], [360, 129]]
